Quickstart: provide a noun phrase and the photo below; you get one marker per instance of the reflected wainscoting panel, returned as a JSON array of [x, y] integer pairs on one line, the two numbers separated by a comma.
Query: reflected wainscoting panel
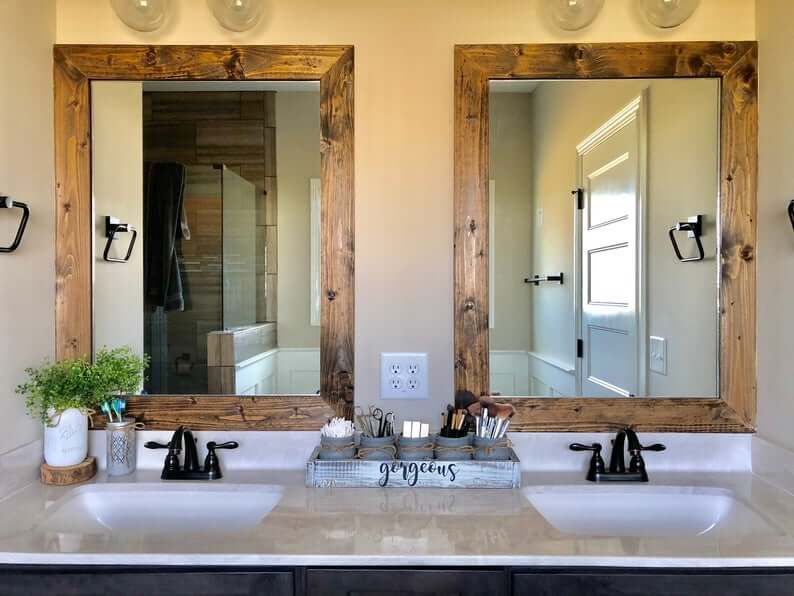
[[529, 373]]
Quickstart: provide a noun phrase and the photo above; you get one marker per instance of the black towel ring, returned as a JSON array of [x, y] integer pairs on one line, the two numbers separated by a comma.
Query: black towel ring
[[693, 225], [791, 213], [112, 227], [7, 203]]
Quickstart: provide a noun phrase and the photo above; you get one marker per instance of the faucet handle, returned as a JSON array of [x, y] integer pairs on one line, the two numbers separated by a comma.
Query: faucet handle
[[597, 465], [156, 445], [654, 447], [579, 447], [227, 445]]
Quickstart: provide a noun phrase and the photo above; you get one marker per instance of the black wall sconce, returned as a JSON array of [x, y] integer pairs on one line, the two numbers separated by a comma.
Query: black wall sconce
[[694, 228], [7, 203], [112, 227]]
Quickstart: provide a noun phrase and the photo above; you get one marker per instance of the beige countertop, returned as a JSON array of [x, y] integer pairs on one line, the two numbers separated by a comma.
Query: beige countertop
[[407, 527]]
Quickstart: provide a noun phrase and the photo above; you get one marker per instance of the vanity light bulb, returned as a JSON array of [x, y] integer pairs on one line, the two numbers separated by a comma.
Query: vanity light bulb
[[572, 15], [141, 15], [237, 15], [668, 13]]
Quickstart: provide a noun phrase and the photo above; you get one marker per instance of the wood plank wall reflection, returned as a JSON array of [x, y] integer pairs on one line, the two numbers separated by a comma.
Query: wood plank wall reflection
[[236, 129]]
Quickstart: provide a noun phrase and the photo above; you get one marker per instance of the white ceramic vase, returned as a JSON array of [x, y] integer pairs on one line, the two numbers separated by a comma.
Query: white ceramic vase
[[66, 439]]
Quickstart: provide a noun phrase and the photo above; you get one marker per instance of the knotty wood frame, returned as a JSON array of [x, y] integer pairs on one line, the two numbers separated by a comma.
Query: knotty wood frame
[[74, 68], [732, 62]]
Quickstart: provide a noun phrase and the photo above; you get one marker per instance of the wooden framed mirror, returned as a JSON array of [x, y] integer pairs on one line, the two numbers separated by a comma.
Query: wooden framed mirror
[[604, 303], [204, 120]]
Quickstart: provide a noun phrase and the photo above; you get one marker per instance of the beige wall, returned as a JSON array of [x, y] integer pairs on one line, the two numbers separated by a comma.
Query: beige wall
[[297, 161], [683, 141], [404, 135], [511, 171], [117, 125], [776, 240], [27, 277]]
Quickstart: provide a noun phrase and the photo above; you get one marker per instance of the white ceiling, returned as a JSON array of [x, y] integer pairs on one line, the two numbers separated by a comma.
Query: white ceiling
[[162, 86]]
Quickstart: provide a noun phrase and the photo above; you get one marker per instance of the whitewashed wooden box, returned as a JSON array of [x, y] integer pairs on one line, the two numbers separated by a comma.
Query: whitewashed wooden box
[[355, 473]]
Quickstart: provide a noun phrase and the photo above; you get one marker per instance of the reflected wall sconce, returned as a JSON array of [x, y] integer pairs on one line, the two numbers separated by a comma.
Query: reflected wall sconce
[[666, 14], [573, 15], [141, 15], [237, 15]]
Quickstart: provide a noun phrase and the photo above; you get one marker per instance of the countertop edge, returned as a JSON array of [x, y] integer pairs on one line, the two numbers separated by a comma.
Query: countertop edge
[[244, 560]]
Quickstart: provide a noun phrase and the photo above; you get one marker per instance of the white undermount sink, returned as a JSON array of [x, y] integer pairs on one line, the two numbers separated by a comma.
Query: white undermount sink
[[163, 508], [641, 510]]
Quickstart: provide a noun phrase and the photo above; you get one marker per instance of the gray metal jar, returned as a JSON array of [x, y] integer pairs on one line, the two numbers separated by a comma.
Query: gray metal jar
[[377, 448], [415, 449], [453, 448], [491, 449], [337, 448]]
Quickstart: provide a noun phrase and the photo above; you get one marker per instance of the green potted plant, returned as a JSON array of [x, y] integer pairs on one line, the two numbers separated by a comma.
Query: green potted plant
[[63, 394]]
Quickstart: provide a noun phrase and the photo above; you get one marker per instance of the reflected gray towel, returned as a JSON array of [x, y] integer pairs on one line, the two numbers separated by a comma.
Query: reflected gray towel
[[163, 195]]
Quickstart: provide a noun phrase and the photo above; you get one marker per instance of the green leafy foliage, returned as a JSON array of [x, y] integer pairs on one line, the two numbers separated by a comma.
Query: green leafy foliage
[[117, 371], [77, 383]]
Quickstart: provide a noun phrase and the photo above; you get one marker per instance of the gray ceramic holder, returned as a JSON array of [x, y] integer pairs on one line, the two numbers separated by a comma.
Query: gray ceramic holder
[[337, 448], [415, 449], [453, 448], [491, 449], [121, 448], [377, 448]]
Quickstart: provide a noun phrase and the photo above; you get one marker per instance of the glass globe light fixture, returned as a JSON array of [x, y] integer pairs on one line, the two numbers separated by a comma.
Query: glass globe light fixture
[[572, 15], [237, 15], [141, 15], [668, 13]]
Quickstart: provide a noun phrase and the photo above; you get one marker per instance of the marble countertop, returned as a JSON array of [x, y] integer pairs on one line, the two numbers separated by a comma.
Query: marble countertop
[[407, 527]]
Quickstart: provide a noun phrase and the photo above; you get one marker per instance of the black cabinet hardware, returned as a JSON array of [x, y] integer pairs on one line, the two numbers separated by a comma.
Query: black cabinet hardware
[[7, 203], [112, 227], [537, 279], [694, 226]]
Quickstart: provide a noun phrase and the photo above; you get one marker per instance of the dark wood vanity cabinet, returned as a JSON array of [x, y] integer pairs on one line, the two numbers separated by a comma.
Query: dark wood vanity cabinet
[[390, 581], [686, 582], [144, 581], [405, 582]]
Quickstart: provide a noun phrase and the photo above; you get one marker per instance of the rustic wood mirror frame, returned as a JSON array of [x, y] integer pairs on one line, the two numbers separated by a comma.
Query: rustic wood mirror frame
[[75, 67], [734, 63]]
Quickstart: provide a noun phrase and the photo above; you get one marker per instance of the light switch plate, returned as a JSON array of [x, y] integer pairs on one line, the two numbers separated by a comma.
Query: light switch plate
[[658, 358], [403, 376]]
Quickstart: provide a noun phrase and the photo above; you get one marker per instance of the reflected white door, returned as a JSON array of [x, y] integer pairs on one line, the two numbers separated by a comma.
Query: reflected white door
[[609, 303]]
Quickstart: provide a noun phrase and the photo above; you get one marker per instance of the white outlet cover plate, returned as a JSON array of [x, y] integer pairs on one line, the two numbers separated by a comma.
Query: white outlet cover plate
[[403, 376]]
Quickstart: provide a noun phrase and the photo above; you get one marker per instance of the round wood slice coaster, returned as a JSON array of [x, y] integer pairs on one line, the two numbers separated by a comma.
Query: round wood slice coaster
[[69, 475]]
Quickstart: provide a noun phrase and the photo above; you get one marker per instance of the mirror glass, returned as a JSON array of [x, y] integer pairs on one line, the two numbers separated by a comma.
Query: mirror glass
[[221, 183], [602, 193]]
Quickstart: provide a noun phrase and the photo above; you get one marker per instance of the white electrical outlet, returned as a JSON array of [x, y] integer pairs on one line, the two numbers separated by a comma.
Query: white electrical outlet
[[403, 376], [658, 358]]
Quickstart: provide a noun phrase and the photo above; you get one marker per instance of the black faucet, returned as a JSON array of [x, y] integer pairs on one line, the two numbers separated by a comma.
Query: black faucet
[[617, 464], [191, 470]]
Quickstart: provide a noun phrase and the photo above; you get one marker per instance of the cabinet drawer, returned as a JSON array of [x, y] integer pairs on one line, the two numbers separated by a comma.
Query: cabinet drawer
[[404, 582], [673, 583], [85, 582]]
